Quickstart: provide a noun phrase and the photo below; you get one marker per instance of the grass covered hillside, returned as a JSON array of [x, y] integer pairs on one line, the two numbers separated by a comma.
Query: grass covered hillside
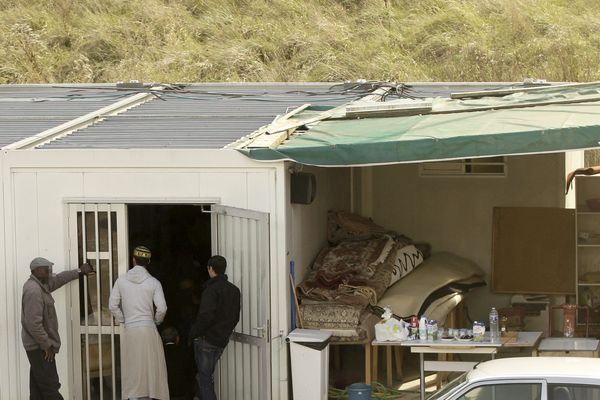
[[296, 40]]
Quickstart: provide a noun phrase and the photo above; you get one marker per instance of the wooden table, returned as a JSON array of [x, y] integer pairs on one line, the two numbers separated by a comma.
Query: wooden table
[[485, 347]]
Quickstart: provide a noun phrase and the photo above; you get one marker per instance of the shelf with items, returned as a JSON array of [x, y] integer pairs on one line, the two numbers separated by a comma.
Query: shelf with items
[[587, 199], [588, 230], [588, 283], [588, 265], [589, 296]]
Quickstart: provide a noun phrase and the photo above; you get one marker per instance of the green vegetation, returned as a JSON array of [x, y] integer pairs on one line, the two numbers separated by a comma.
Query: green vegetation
[[296, 40]]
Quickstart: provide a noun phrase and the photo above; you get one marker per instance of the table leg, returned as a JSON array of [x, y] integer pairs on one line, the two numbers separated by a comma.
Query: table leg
[[388, 365], [398, 352], [368, 367], [375, 352], [422, 372], [440, 376], [337, 363]]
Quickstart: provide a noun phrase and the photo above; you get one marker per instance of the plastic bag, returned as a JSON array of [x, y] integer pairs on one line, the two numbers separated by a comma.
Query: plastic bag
[[390, 329]]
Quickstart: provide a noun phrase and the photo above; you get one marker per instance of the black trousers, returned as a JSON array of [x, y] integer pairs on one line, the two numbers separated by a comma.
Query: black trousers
[[43, 378]]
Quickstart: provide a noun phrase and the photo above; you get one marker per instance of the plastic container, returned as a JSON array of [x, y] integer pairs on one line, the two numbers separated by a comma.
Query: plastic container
[[432, 329], [494, 331], [423, 328], [570, 311], [309, 352], [359, 391], [478, 331]]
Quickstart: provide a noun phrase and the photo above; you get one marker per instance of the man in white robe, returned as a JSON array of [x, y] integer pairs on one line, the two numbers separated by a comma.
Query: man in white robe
[[132, 301]]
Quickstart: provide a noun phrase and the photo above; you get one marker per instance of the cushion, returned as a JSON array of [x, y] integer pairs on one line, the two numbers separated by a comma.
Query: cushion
[[407, 259]]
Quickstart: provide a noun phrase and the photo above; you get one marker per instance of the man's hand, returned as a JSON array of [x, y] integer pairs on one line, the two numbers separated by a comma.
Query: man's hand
[[86, 269], [580, 171], [49, 354]]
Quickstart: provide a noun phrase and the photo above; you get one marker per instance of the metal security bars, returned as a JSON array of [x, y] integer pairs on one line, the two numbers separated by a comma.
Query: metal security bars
[[98, 235], [242, 237]]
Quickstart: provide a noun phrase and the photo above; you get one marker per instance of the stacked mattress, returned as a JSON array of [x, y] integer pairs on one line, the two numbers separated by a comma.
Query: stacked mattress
[[370, 266]]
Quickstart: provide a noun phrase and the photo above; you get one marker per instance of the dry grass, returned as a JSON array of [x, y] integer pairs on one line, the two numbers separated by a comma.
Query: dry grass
[[296, 40]]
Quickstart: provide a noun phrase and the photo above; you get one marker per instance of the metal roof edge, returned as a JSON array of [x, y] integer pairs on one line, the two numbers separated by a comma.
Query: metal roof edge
[[282, 84], [58, 85]]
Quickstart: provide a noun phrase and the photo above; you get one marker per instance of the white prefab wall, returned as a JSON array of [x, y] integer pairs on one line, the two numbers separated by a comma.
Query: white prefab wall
[[455, 213], [38, 184], [308, 223], [5, 342]]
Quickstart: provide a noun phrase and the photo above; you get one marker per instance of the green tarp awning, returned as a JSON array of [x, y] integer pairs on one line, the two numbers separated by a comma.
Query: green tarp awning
[[548, 120]]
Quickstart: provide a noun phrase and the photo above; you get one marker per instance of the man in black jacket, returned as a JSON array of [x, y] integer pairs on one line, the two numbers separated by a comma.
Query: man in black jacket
[[218, 315]]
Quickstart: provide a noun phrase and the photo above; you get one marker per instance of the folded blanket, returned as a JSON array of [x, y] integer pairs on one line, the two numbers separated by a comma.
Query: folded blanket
[[364, 330], [328, 315], [351, 262], [353, 287], [344, 226]]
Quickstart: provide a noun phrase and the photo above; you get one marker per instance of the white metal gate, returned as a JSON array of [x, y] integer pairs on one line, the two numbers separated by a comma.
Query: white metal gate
[[97, 233], [242, 237]]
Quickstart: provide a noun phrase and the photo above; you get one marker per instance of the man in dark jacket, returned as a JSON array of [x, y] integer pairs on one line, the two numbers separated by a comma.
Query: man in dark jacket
[[40, 326], [218, 315]]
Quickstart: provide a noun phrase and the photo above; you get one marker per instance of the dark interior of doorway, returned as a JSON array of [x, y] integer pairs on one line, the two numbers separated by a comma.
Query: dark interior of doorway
[[179, 237]]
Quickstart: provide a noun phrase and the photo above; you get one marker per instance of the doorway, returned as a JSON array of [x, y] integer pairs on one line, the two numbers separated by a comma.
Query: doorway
[[179, 237], [182, 238]]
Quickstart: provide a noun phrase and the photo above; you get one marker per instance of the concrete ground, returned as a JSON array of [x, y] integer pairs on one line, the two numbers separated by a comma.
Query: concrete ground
[[352, 370]]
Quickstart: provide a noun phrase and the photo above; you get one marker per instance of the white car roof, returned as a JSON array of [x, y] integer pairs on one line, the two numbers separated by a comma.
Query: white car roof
[[550, 368]]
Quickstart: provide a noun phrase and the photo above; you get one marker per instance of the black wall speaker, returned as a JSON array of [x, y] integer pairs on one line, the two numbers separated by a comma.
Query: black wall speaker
[[304, 188]]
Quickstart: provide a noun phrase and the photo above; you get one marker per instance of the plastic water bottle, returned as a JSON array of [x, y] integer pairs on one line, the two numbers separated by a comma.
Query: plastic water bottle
[[494, 332], [423, 328]]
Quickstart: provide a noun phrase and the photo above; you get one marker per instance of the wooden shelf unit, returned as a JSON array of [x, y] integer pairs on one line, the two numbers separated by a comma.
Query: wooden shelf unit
[[588, 248]]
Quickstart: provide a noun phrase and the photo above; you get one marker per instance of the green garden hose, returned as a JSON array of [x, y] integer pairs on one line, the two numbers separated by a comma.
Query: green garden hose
[[378, 392]]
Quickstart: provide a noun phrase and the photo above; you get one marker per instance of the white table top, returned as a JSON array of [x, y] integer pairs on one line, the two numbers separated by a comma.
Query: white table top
[[524, 339], [569, 344], [450, 343]]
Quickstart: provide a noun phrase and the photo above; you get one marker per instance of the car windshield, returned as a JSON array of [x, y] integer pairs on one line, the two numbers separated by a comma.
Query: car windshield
[[449, 387]]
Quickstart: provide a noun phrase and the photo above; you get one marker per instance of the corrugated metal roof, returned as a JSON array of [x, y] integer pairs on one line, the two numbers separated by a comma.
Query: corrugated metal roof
[[205, 116], [30, 109]]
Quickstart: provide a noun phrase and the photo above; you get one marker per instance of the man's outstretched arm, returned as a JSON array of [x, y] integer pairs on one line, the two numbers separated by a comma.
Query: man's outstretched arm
[[580, 171]]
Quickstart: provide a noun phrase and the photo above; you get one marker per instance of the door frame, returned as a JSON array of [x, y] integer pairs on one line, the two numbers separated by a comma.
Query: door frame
[[75, 332], [74, 362]]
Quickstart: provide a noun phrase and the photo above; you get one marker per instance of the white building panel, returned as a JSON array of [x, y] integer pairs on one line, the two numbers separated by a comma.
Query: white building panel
[[39, 184]]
